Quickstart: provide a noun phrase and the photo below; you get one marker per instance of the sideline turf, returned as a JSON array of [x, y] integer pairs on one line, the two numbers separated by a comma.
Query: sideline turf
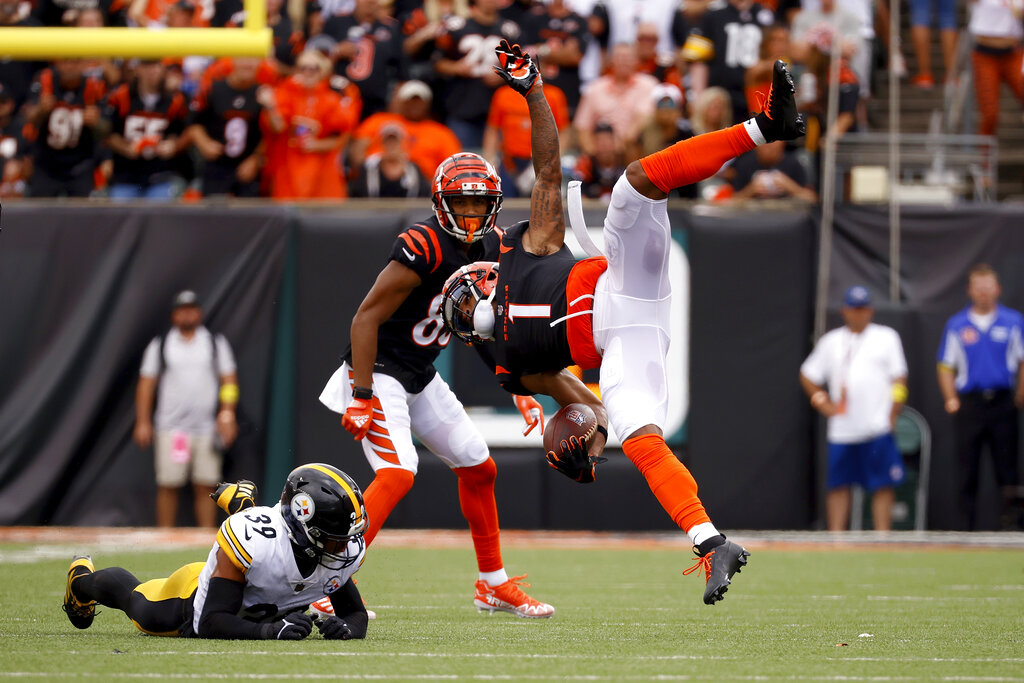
[[621, 615]]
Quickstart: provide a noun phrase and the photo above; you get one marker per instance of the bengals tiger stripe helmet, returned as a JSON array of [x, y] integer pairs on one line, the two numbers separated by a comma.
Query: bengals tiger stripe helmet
[[466, 175]]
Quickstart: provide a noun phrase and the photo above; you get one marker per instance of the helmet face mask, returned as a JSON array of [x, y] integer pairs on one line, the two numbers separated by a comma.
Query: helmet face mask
[[466, 175], [324, 512], [466, 306]]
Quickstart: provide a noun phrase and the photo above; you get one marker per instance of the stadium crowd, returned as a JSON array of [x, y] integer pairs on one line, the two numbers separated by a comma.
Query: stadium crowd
[[366, 97]]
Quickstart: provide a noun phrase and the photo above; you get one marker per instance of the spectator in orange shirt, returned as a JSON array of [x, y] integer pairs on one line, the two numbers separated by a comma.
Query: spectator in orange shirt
[[313, 123], [428, 142], [508, 127]]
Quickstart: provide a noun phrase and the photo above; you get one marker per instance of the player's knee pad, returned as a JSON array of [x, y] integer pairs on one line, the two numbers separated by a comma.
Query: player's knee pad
[[483, 474]]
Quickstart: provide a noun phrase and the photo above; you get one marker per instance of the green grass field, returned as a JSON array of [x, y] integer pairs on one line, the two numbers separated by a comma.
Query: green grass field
[[932, 614]]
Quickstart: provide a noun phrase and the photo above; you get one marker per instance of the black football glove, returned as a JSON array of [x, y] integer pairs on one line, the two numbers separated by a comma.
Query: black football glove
[[574, 461], [516, 68], [295, 626], [232, 498], [334, 628]]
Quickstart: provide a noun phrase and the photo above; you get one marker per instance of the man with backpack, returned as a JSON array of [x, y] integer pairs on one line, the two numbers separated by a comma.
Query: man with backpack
[[190, 375]]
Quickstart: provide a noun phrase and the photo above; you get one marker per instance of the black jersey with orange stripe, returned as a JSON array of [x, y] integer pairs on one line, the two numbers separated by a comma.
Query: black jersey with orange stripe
[[529, 332], [409, 342]]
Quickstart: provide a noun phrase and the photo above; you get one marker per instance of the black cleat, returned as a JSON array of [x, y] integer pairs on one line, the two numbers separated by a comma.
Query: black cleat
[[80, 614], [719, 565], [780, 120]]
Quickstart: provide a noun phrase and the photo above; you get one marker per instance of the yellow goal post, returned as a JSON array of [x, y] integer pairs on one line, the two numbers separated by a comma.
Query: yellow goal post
[[31, 43]]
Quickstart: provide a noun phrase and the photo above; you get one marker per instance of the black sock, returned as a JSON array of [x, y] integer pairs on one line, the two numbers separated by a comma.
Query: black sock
[[710, 544], [109, 587]]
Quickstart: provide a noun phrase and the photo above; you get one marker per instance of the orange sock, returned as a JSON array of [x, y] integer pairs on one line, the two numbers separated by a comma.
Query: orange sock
[[476, 496], [697, 158], [672, 484], [382, 495]]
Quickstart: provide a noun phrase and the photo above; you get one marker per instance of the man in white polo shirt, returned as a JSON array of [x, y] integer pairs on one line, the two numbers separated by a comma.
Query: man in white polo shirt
[[863, 367], [195, 410]]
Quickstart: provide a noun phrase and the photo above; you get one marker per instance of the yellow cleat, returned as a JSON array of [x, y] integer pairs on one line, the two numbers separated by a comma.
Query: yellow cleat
[[80, 614]]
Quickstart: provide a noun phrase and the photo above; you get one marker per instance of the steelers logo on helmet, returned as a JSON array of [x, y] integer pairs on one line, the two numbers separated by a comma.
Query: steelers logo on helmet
[[323, 510], [303, 507], [466, 301], [466, 176]]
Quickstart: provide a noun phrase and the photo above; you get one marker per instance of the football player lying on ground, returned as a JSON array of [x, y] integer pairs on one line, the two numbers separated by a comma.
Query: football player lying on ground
[[266, 566], [542, 311]]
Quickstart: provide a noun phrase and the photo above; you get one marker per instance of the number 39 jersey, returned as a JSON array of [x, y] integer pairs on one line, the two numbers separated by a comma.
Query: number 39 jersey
[[410, 341], [256, 542]]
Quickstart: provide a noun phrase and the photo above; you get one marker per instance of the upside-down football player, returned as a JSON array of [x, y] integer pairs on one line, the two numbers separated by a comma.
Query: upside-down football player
[[265, 568], [541, 310]]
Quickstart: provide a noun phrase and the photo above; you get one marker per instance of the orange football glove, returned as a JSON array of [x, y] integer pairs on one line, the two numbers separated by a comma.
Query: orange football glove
[[531, 411], [358, 417]]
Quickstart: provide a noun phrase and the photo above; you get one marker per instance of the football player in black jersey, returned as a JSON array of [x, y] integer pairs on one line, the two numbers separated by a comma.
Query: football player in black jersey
[[549, 311], [388, 389]]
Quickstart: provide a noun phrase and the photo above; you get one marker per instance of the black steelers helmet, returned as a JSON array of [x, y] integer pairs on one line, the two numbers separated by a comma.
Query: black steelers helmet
[[324, 512]]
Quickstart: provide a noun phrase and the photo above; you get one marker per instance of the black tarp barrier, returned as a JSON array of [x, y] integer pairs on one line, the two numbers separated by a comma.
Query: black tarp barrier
[[84, 290], [752, 295], [85, 287], [939, 246]]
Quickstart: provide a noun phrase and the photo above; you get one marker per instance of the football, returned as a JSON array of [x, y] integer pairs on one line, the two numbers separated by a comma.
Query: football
[[575, 419]]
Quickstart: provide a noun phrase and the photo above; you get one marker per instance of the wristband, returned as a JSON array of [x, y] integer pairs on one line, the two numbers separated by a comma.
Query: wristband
[[602, 430], [899, 393], [229, 393], [364, 393]]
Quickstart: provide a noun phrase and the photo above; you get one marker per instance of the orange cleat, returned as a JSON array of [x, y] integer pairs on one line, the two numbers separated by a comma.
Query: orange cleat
[[509, 597], [323, 608]]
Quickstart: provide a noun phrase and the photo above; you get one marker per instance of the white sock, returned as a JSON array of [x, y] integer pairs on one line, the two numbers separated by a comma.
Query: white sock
[[754, 131], [494, 578], [699, 533]]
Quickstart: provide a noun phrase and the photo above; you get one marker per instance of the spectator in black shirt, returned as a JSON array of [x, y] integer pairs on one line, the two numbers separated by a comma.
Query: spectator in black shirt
[[224, 126], [560, 36], [390, 173], [770, 172], [146, 125], [17, 75], [598, 171], [465, 58], [368, 53], [12, 148], [64, 123]]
